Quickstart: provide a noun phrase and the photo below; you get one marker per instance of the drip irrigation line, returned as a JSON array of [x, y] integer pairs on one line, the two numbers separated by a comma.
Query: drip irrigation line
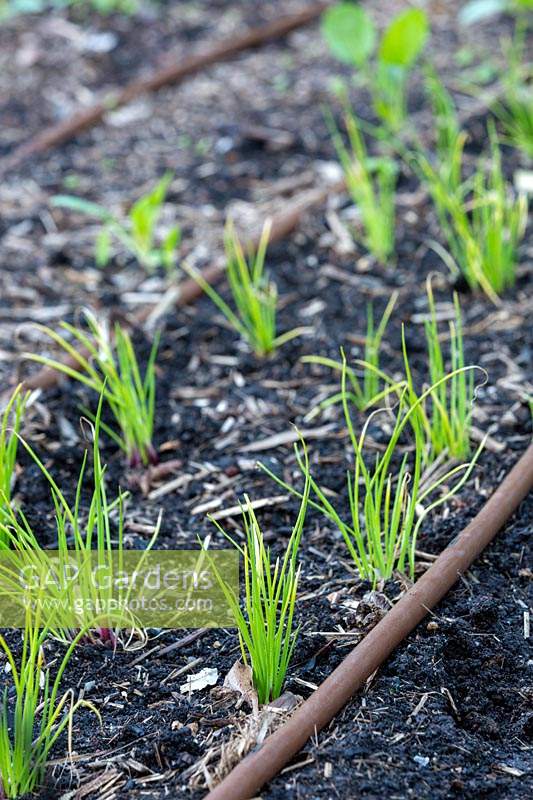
[[188, 291], [167, 76], [247, 778]]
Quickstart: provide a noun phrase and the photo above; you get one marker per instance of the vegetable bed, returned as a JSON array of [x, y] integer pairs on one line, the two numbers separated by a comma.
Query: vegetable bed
[[449, 714]]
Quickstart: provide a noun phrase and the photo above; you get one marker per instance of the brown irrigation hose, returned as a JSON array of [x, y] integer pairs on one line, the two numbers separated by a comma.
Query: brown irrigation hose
[[189, 290], [260, 766], [172, 74]]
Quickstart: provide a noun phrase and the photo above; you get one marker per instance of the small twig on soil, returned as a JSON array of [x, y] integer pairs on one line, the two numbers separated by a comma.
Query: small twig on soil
[[287, 437], [163, 651], [265, 502], [177, 483], [176, 673]]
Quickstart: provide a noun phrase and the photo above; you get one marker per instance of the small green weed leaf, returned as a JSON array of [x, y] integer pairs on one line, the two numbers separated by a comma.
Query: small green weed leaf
[[404, 39], [349, 32]]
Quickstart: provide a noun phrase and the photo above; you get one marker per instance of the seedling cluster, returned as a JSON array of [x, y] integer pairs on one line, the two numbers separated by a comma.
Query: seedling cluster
[[481, 219], [387, 497], [254, 294], [39, 706], [515, 109], [137, 234], [105, 362], [266, 633], [367, 389], [30, 727], [371, 183]]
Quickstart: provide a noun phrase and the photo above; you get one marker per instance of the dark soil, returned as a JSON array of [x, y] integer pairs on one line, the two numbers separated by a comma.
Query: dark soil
[[449, 715]]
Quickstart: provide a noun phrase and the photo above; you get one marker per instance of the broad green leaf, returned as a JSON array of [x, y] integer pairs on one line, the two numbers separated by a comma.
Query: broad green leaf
[[405, 38], [349, 32]]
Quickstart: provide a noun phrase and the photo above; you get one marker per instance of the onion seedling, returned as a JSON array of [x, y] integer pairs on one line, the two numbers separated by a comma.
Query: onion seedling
[[388, 502], [108, 365], [33, 720], [99, 533], [254, 295], [446, 426], [516, 116], [371, 182], [266, 633], [452, 400], [138, 235], [363, 393], [449, 139], [10, 424], [515, 110], [484, 232]]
